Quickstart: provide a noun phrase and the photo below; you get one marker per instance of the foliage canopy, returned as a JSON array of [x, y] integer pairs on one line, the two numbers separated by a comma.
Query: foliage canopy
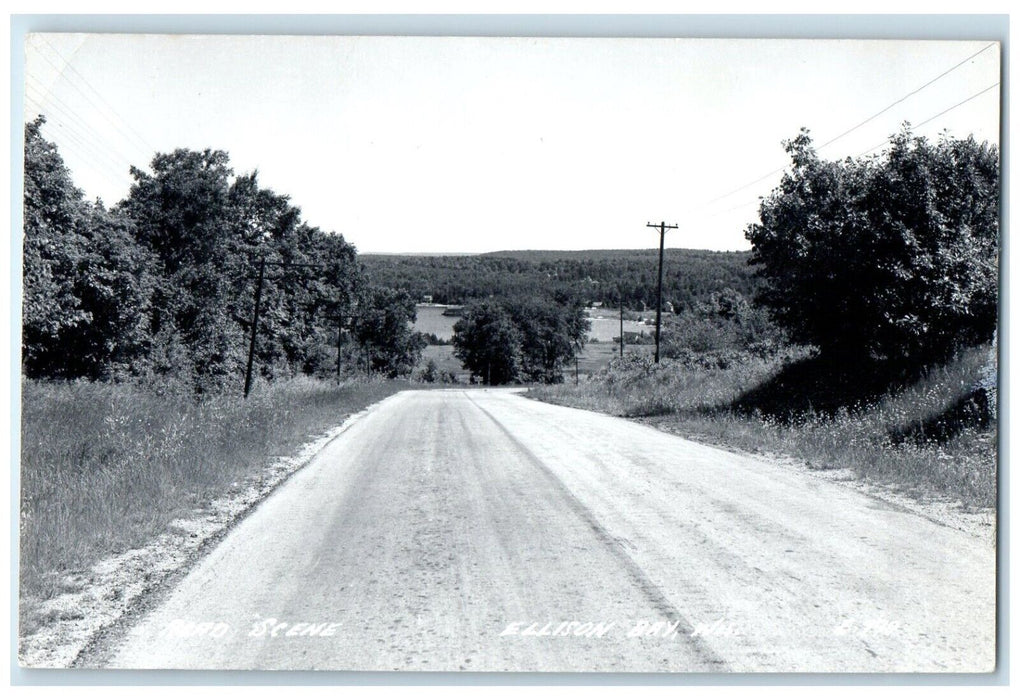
[[163, 285], [891, 257], [512, 339]]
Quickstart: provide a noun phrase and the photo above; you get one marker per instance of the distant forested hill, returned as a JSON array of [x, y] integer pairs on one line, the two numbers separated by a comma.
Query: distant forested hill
[[593, 275]]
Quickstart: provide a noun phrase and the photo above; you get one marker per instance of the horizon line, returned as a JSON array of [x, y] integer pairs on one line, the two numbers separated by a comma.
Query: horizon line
[[547, 250]]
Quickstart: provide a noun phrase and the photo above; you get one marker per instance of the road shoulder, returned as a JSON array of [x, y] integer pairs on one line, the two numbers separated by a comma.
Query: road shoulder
[[977, 522], [119, 588]]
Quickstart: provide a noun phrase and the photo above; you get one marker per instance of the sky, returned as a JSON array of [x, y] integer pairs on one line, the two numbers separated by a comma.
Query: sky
[[466, 145]]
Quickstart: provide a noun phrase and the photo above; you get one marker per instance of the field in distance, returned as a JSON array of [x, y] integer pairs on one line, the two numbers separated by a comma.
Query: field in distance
[[605, 326], [605, 323]]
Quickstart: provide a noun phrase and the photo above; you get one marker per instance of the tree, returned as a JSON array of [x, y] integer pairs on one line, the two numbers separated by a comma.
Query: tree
[[892, 257], [521, 338], [53, 243], [87, 284], [164, 283], [115, 287], [182, 217], [488, 343], [383, 328], [552, 332], [208, 231]]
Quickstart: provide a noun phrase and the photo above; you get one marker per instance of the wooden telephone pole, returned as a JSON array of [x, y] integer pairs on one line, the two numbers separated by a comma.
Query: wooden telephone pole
[[254, 326], [255, 316], [658, 305], [621, 327]]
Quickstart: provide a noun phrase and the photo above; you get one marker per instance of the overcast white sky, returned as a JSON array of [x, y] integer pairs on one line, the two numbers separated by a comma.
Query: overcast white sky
[[477, 144]]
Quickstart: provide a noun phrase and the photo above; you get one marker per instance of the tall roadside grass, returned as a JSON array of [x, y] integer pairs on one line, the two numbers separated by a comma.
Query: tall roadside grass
[[932, 435], [105, 467]]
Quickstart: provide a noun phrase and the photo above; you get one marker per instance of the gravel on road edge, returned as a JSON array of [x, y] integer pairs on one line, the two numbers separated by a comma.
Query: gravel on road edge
[[117, 584]]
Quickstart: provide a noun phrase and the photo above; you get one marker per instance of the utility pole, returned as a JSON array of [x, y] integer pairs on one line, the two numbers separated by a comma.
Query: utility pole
[[577, 353], [339, 344], [658, 306], [255, 315], [345, 329], [621, 327], [254, 326]]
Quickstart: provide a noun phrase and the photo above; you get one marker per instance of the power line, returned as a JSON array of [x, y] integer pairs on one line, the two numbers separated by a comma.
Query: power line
[[766, 176], [100, 173], [138, 136], [70, 115], [87, 153], [908, 95], [748, 203], [92, 102], [977, 94], [876, 146], [857, 126], [95, 154], [933, 118], [50, 97]]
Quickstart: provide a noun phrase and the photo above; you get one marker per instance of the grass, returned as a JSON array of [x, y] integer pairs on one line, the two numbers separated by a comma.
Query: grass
[[597, 356], [105, 467], [442, 355], [930, 436]]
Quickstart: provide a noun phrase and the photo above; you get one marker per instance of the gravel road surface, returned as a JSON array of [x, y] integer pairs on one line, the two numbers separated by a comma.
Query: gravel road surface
[[479, 530]]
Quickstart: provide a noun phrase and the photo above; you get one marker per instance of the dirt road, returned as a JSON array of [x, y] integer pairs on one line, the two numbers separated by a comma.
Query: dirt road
[[479, 530]]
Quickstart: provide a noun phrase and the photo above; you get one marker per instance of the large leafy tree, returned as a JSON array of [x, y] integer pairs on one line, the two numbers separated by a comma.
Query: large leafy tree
[[552, 332], [115, 287], [165, 282], [520, 338], [87, 284], [312, 304], [488, 343], [182, 217], [891, 257], [54, 243], [209, 231], [383, 328]]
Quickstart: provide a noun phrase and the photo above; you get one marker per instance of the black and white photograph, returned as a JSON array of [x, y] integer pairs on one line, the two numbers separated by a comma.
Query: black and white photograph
[[475, 354]]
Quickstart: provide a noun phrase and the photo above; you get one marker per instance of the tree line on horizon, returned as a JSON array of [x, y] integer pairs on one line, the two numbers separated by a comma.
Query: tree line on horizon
[[607, 277]]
